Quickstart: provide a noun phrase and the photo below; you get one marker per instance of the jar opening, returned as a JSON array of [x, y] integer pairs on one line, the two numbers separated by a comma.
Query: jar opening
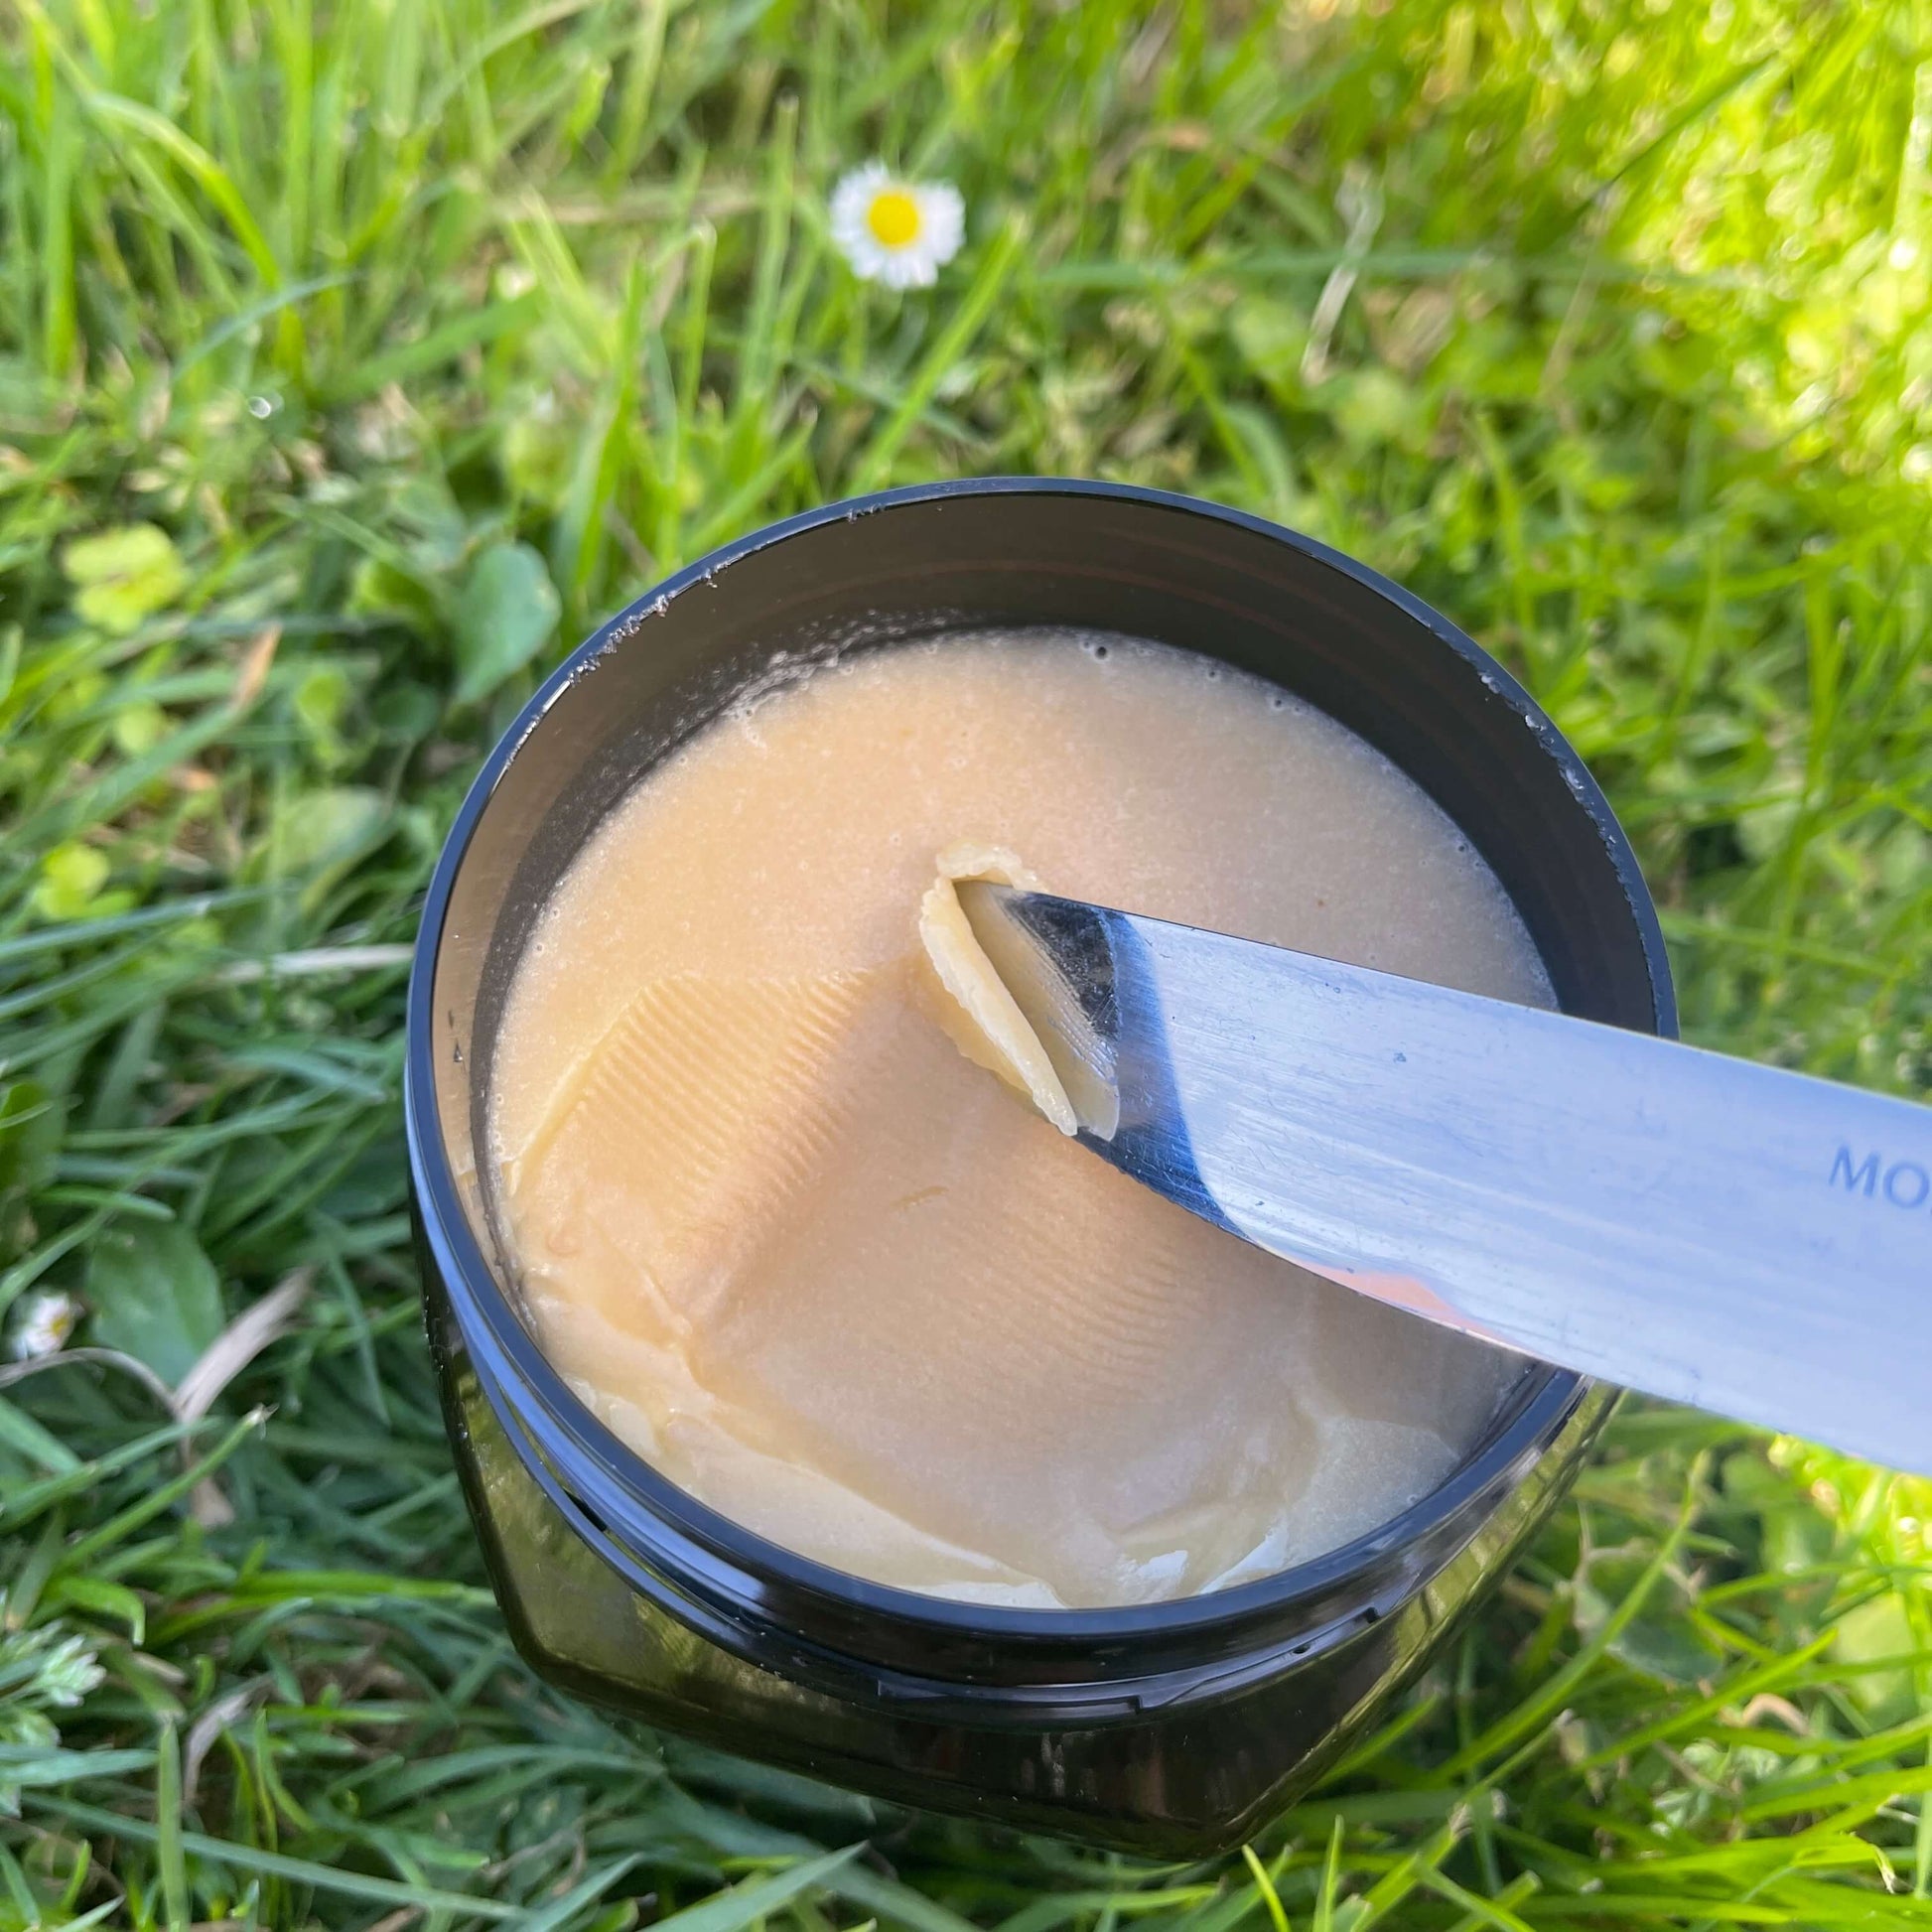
[[615, 709]]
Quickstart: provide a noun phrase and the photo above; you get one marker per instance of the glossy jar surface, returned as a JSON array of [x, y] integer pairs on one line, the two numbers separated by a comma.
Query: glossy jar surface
[[1172, 1728]]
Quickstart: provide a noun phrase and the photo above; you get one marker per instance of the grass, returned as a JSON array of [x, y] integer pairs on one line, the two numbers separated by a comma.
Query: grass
[[355, 358]]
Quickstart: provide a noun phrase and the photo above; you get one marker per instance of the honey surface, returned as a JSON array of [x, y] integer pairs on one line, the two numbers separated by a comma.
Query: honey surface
[[851, 1290]]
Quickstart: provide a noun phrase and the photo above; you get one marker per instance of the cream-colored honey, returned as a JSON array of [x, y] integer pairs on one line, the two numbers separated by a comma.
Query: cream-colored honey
[[844, 1286]]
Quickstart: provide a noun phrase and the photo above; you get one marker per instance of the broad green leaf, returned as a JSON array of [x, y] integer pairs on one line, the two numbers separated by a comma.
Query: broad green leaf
[[329, 826], [505, 615], [71, 876], [379, 589], [154, 1294], [1667, 1649], [1875, 1633], [321, 703], [122, 577], [139, 726]]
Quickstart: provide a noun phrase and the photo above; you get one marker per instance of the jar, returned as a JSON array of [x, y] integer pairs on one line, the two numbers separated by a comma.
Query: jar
[[1172, 1728]]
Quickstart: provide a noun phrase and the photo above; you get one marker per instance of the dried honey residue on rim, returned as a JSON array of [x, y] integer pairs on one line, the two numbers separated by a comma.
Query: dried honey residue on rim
[[982, 1017]]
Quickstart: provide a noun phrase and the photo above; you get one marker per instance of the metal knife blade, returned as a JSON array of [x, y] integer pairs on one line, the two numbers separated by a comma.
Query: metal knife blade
[[1713, 1231]]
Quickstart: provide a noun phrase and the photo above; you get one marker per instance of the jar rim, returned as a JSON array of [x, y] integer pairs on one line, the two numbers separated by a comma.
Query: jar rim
[[709, 1554]]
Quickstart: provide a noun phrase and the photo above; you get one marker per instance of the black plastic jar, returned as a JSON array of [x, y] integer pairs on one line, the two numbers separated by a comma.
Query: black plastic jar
[[1172, 1728]]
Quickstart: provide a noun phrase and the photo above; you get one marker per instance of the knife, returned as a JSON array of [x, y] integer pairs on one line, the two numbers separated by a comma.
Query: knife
[[1709, 1230]]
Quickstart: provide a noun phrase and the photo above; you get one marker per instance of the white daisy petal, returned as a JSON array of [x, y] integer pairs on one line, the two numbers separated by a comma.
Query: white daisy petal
[[853, 196], [944, 219], [43, 1326]]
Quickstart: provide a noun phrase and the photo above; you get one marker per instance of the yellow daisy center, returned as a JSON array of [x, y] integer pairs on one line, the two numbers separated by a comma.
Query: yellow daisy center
[[893, 218]]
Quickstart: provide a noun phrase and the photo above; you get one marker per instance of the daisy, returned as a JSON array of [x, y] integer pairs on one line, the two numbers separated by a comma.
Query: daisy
[[899, 232], [44, 1325]]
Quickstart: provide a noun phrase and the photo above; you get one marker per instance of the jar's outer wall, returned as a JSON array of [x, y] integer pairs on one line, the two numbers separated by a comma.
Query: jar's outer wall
[[1017, 552]]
